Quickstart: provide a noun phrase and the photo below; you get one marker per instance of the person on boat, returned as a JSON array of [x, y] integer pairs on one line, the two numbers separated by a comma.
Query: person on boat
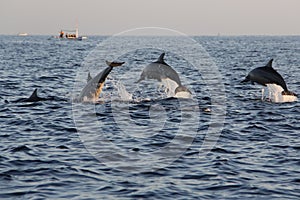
[[61, 34]]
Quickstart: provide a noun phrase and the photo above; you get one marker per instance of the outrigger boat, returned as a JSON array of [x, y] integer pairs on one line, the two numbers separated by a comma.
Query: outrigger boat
[[22, 34], [70, 34]]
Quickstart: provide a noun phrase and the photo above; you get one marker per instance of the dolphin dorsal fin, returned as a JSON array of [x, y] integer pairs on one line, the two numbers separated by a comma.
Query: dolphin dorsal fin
[[89, 77], [270, 63], [34, 95], [161, 59]]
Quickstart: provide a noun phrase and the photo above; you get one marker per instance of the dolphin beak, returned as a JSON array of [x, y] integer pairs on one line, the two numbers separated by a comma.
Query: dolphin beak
[[138, 80], [245, 80]]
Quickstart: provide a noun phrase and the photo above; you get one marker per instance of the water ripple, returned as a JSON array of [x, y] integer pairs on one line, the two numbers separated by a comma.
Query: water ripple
[[43, 155]]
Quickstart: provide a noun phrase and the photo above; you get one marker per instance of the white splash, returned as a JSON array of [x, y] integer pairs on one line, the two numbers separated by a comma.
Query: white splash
[[170, 87], [275, 94], [122, 92], [183, 95], [166, 87]]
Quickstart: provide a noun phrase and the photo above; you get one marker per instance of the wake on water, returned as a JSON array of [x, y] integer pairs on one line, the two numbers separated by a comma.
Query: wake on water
[[123, 93], [163, 90], [166, 89], [273, 92]]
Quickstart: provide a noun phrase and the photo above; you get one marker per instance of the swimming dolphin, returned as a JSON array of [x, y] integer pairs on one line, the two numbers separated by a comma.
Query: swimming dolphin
[[33, 98], [160, 70], [94, 86], [267, 75]]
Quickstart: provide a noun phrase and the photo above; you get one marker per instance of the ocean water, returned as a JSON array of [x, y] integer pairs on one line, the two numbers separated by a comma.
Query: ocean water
[[138, 143]]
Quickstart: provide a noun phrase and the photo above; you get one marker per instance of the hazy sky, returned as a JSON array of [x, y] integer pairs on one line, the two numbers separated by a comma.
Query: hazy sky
[[192, 17]]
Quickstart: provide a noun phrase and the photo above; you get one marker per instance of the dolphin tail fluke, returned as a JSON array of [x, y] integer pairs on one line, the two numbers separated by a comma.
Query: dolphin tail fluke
[[114, 64], [245, 80]]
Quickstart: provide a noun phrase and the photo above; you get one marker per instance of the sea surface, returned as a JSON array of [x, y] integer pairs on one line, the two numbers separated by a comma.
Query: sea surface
[[138, 142]]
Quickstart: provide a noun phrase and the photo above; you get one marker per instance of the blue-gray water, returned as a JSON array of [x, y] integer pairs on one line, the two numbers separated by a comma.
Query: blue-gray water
[[257, 155]]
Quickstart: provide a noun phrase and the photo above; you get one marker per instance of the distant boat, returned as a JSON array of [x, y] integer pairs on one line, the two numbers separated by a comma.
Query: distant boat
[[70, 34], [22, 34], [83, 37]]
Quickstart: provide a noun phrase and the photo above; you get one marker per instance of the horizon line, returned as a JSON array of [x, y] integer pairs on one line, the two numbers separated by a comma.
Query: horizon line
[[151, 35]]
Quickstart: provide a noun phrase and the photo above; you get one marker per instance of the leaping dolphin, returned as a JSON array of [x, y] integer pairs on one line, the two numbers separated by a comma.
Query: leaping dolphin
[[94, 86], [268, 75], [160, 70]]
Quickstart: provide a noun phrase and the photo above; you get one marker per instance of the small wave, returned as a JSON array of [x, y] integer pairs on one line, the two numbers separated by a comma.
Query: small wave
[[22, 148]]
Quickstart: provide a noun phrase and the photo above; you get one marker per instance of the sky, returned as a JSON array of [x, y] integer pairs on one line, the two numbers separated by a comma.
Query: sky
[[191, 17]]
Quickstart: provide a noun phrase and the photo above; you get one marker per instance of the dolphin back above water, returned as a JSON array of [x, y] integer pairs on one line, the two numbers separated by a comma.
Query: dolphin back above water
[[33, 98], [268, 75], [94, 86], [160, 70]]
